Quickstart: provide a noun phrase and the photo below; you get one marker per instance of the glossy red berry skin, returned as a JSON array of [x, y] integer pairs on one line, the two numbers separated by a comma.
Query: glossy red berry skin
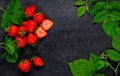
[[38, 17], [13, 30], [30, 10]]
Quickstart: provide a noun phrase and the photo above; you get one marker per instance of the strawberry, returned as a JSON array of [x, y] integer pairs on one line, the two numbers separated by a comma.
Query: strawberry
[[21, 42], [13, 30], [47, 24], [24, 65], [22, 31], [37, 61], [29, 10], [40, 32], [32, 39], [30, 25], [38, 17]]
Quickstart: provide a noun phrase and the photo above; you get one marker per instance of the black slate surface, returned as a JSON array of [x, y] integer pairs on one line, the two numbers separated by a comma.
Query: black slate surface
[[70, 39]]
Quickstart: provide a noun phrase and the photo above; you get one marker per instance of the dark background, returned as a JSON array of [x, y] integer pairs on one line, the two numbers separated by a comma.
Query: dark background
[[70, 39]]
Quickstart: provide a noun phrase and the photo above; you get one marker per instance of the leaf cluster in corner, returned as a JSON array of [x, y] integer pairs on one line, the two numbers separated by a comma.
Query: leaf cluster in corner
[[13, 14], [92, 67]]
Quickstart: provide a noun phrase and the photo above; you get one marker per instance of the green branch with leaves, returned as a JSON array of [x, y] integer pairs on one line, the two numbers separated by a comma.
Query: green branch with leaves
[[108, 13]]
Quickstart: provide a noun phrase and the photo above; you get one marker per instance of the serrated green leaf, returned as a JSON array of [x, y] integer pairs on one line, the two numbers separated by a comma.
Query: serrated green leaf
[[99, 6], [9, 46], [115, 5], [116, 15], [93, 59], [14, 5], [81, 67], [116, 42], [18, 17], [79, 3], [100, 16], [14, 14], [113, 55], [118, 31], [110, 27], [6, 21], [12, 58], [81, 11], [99, 65]]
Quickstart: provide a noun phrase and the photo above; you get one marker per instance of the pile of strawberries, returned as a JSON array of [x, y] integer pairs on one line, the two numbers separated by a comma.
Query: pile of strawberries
[[35, 26]]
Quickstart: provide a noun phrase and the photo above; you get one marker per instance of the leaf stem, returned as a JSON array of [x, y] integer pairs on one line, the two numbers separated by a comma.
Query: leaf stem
[[2, 47], [115, 70], [1, 43], [2, 9]]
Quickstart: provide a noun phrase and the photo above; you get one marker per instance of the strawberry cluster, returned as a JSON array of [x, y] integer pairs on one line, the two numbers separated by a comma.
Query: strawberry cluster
[[34, 27]]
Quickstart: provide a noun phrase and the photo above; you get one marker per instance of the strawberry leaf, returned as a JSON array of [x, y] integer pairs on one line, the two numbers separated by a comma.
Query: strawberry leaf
[[81, 11], [14, 14], [99, 6], [100, 16], [79, 2], [12, 58], [9, 45], [115, 5], [109, 27], [113, 55]]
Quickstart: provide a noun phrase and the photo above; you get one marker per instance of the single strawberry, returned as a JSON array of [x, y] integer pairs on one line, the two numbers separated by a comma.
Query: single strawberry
[[21, 42], [13, 30], [29, 10], [47, 24], [32, 39], [38, 17], [24, 65], [30, 25], [22, 31], [40, 32], [37, 61]]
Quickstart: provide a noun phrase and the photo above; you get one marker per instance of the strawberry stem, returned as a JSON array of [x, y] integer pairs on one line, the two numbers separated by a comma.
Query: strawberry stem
[[2, 9]]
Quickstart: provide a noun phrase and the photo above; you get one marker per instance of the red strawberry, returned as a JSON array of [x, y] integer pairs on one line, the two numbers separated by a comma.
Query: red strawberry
[[22, 31], [47, 24], [30, 25], [40, 32], [13, 30], [24, 65], [32, 39], [38, 17], [21, 42], [38, 61], [29, 10]]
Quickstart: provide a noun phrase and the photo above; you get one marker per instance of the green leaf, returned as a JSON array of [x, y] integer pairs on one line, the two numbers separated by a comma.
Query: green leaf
[[79, 2], [113, 55], [116, 15], [116, 42], [99, 75], [14, 5], [9, 45], [81, 11], [12, 58], [81, 67], [14, 14], [109, 27], [100, 16], [99, 65], [6, 21], [93, 59], [4, 55], [115, 5], [18, 17], [99, 6]]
